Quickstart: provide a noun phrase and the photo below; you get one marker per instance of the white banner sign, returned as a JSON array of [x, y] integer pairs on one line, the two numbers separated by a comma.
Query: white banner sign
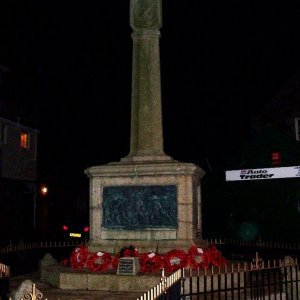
[[259, 174]]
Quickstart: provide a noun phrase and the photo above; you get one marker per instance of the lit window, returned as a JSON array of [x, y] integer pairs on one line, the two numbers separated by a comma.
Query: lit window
[[24, 140]]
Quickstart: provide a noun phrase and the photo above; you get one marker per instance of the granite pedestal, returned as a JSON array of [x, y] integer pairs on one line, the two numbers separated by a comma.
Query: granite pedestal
[[134, 193]]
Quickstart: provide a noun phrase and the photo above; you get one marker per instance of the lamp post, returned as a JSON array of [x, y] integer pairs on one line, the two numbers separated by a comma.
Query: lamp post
[[43, 210]]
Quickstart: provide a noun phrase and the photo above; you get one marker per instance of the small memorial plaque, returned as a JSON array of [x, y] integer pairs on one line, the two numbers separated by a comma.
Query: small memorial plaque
[[128, 266]]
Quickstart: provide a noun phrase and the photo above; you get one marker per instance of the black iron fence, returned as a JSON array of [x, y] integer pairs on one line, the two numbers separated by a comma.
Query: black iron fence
[[240, 250], [256, 280], [277, 280], [25, 257]]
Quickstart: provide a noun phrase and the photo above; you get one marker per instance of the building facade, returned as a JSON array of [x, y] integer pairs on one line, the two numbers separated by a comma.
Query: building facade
[[18, 167]]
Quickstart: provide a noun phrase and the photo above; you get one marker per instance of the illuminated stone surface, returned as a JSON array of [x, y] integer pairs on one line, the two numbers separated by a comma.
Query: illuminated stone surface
[[118, 216]]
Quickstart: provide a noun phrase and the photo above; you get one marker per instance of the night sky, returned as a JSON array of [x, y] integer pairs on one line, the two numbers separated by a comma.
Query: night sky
[[220, 63]]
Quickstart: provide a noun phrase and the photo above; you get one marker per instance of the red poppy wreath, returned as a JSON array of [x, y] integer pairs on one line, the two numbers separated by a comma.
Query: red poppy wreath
[[198, 258], [174, 260], [150, 262], [115, 262], [130, 251], [78, 257], [216, 258], [99, 262]]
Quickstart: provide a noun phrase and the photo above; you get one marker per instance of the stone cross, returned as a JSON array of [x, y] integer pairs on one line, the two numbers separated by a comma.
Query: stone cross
[[146, 139]]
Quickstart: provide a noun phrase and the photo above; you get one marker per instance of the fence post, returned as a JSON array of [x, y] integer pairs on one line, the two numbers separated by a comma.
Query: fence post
[[291, 274]]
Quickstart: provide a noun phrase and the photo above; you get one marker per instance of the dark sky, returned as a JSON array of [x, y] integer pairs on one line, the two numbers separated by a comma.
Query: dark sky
[[219, 64]]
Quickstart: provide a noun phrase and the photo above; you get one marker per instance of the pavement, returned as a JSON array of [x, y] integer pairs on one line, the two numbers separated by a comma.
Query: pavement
[[53, 293]]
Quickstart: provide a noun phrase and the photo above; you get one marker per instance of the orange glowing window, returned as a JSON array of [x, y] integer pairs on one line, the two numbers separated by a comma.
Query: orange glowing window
[[24, 140]]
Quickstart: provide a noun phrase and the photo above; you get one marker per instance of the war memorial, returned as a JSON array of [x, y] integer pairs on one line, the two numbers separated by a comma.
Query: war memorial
[[147, 200]]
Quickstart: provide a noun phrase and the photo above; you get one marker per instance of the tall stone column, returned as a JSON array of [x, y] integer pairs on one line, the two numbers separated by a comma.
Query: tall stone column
[[147, 199], [146, 139]]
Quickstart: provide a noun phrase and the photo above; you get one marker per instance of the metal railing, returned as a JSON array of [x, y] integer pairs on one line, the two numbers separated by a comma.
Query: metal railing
[[25, 257], [240, 250], [164, 288], [255, 280], [38, 245], [256, 243], [263, 280]]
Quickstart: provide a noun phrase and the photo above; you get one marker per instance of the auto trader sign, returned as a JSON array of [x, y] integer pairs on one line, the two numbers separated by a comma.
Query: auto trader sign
[[260, 174]]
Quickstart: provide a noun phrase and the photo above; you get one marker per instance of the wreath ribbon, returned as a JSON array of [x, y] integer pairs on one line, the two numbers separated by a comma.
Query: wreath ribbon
[[99, 262]]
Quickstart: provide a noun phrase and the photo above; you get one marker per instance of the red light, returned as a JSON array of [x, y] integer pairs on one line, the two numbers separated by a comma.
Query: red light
[[276, 158], [86, 229], [65, 227]]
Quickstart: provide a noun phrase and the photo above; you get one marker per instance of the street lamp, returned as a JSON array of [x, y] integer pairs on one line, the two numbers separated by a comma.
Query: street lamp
[[44, 190]]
